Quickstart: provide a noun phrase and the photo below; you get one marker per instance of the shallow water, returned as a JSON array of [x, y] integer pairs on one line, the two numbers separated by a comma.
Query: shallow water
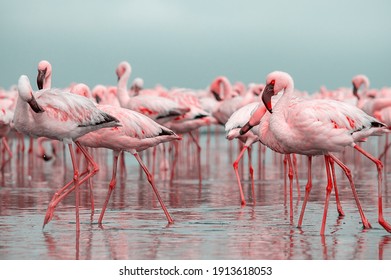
[[209, 221]]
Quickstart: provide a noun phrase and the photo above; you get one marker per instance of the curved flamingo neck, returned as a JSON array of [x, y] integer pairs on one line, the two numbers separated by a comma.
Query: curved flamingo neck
[[48, 80], [122, 85], [227, 88]]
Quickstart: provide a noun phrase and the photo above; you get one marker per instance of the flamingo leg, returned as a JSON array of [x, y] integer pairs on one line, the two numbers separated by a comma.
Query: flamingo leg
[[76, 184], [176, 147], [329, 188], [308, 188], [151, 181], [296, 173], [68, 188], [379, 166], [386, 147], [111, 186], [290, 175], [338, 202], [348, 174], [236, 168], [198, 156], [251, 171]]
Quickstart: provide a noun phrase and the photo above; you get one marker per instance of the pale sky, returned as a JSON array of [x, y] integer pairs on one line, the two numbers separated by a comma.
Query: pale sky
[[188, 43]]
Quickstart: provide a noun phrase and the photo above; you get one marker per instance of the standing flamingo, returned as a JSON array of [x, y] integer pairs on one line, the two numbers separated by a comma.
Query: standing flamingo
[[232, 128], [321, 127], [62, 116], [158, 108], [136, 133]]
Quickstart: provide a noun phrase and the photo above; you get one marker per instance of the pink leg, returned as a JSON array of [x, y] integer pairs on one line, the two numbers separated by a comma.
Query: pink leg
[[339, 206], [150, 180], [348, 174], [76, 184], [379, 166], [308, 188], [236, 167], [386, 147], [68, 188], [329, 187], [251, 171], [6, 146], [290, 175], [111, 186], [31, 147], [295, 170], [198, 157], [176, 147]]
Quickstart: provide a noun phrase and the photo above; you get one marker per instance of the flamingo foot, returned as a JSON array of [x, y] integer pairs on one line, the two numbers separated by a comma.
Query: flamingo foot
[[48, 216], [366, 224], [340, 211], [385, 225], [243, 203]]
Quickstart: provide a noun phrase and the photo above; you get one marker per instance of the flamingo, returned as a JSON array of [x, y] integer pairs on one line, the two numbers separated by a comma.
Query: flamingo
[[61, 116], [321, 127], [6, 117], [232, 128], [158, 108], [136, 133]]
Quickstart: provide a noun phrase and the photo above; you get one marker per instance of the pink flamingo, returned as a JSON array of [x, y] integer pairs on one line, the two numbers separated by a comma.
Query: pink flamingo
[[136, 133], [157, 108], [303, 126], [230, 100], [232, 127], [6, 117], [61, 116]]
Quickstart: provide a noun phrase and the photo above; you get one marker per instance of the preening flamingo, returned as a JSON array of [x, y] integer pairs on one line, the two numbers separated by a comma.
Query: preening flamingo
[[159, 109], [237, 120]]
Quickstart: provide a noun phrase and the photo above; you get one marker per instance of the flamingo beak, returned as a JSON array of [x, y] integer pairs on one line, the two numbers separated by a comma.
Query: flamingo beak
[[41, 78], [245, 128], [216, 95], [267, 94], [35, 106], [98, 99], [355, 91]]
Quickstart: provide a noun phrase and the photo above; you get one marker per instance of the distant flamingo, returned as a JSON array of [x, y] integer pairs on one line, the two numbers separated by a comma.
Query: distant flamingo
[[62, 116], [230, 100], [6, 117], [159, 109], [320, 127], [136, 133]]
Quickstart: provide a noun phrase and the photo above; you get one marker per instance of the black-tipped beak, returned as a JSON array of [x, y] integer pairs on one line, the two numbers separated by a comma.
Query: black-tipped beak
[[216, 95], [41, 78], [355, 91], [245, 128], [267, 95], [35, 106], [98, 99]]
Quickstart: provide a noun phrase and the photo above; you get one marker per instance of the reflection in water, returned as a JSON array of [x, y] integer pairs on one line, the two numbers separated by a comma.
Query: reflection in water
[[209, 222]]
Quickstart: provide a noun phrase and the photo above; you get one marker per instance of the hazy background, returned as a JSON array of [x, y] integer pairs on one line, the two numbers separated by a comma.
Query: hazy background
[[189, 43]]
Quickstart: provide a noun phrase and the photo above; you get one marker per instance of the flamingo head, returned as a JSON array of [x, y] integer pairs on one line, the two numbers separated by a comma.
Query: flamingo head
[[26, 94], [275, 82], [82, 90], [98, 92], [122, 68], [44, 72], [357, 82]]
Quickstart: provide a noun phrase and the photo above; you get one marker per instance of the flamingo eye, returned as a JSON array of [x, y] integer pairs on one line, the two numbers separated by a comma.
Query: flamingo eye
[[273, 82]]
